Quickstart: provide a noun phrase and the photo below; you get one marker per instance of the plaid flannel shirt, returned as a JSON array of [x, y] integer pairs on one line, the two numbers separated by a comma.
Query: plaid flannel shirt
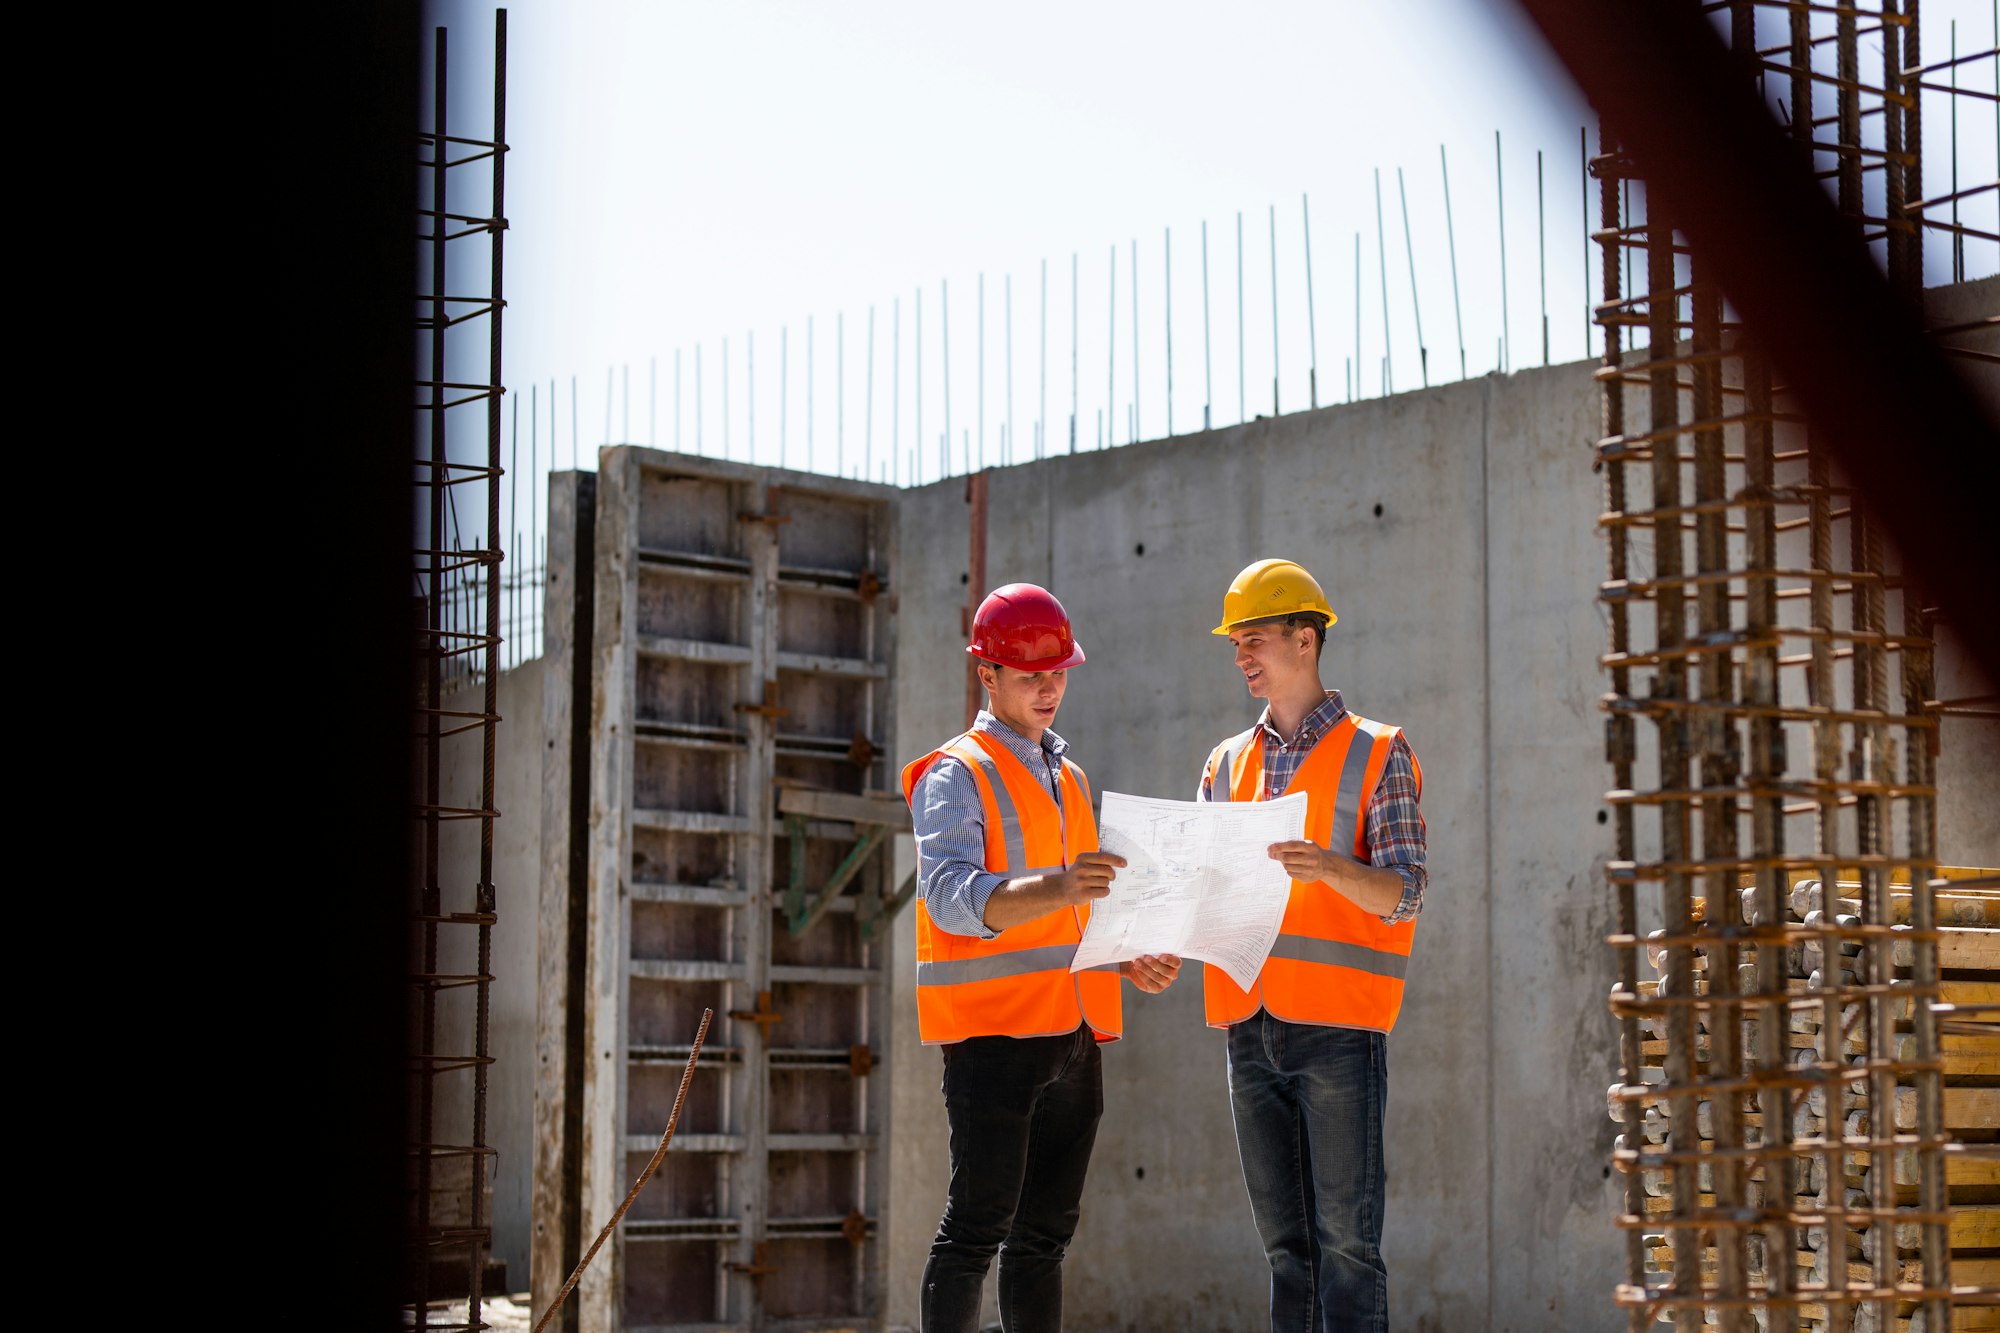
[[1395, 824]]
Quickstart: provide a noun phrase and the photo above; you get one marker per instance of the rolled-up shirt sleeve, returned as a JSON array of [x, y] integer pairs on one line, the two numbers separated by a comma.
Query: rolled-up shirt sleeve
[[1396, 832], [950, 830]]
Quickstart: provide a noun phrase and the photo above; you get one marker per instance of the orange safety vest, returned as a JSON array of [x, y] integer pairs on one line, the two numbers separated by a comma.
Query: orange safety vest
[[1334, 964], [1017, 984]]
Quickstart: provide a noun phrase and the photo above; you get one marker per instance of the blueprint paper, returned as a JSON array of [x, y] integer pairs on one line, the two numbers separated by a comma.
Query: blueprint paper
[[1198, 881]]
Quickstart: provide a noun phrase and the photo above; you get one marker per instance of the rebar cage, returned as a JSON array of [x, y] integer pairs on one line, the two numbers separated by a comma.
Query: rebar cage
[[1773, 735], [459, 615]]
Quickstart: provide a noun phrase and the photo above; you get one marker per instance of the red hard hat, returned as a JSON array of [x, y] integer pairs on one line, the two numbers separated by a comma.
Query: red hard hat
[[1024, 627]]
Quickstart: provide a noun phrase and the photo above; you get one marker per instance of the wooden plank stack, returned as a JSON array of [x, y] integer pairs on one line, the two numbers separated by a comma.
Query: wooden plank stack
[[1969, 960]]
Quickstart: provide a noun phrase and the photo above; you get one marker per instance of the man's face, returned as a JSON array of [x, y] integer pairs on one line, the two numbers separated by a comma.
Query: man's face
[[1271, 658], [1024, 700]]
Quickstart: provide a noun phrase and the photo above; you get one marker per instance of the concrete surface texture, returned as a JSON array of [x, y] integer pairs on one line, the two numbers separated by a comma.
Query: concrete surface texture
[[517, 857], [1455, 532]]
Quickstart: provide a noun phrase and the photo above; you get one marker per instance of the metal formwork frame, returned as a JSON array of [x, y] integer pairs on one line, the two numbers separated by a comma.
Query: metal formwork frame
[[458, 593], [1745, 644], [728, 850]]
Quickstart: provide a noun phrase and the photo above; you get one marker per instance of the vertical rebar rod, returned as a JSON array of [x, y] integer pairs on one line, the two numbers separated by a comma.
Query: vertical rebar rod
[[1357, 315], [839, 393], [1110, 419], [652, 402], [1075, 344], [1451, 248], [1167, 282], [1957, 236], [917, 336], [487, 900], [1826, 746], [1718, 749], [1042, 412], [868, 412], [1583, 175], [1416, 307], [895, 389], [1621, 744], [699, 415], [1382, 270], [1847, 94], [1207, 364], [725, 395], [1242, 392], [1312, 316], [1274, 310], [434, 647], [1007, 445], [1918, 662], [979, 373], [677, 409], [1506, 323], [784, 388], [1675, 752], [1542, 252], [944, 330], [1135, 341], [1767, 766], [750, 393]]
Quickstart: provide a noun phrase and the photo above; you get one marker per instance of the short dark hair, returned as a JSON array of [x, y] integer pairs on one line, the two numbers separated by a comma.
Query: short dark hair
[[1313, 620]]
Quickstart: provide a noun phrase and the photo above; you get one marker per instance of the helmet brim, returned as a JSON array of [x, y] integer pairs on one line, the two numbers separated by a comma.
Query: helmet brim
[[1073, 658], [1266, 620]]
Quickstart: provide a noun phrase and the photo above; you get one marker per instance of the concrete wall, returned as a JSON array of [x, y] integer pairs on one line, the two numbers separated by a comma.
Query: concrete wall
[[517, 870], [1453, 530]]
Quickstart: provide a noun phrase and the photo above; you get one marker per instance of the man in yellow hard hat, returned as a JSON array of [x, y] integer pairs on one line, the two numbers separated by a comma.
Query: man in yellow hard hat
[[1308, 1072]]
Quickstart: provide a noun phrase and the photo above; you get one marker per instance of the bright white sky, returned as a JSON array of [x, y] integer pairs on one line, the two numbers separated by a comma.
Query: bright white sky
[[685, 173]]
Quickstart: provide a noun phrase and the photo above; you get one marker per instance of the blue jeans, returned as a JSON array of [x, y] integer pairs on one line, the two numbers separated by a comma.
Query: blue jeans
[[1308, 1103], [1023, 1116]]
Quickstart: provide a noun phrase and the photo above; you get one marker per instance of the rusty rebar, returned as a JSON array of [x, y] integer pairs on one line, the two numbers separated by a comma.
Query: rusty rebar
[[1769, 1104], [632, 1195]]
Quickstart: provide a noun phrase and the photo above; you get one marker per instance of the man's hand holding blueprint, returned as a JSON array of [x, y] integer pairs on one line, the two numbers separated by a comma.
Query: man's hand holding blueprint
[[1198, 881]]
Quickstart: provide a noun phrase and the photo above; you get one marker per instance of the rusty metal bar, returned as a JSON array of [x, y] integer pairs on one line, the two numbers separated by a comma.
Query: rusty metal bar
[[1769, 1104], [461, 606], [631, 1197], [1620, 729]]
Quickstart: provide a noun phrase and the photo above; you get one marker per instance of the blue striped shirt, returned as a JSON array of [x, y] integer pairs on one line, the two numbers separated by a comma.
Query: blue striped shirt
[[951, 829], [1395, 825]]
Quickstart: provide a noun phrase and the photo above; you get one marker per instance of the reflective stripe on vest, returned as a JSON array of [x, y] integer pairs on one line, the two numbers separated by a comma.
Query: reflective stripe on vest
[[1333, 964], [1017, 984]]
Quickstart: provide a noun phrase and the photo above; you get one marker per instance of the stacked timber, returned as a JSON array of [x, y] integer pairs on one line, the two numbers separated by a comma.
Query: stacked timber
[[1969, 963]]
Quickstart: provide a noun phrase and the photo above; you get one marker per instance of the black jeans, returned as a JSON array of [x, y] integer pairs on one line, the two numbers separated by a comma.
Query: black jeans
[[1023, 1115]]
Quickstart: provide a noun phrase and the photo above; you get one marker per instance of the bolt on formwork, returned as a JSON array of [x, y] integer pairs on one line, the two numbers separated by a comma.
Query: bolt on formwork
[[1784, 1141], [459, 613]]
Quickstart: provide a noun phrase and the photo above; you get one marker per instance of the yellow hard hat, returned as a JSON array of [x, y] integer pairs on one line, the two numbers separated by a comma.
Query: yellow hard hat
[[1269, 590]]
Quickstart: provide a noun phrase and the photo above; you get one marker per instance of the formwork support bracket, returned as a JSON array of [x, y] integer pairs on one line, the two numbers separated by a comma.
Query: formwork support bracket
[[877, 816], [800, 913]]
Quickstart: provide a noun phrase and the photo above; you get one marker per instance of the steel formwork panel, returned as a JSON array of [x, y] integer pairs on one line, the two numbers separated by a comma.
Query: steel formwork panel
[[741, 625]]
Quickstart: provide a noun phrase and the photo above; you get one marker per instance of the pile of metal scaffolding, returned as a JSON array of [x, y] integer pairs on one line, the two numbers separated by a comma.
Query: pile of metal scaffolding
[[458, 551], [1773, 733]]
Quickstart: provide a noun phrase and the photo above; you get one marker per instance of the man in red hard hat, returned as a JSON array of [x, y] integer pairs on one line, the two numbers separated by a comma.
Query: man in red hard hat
[[1007, 867]]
